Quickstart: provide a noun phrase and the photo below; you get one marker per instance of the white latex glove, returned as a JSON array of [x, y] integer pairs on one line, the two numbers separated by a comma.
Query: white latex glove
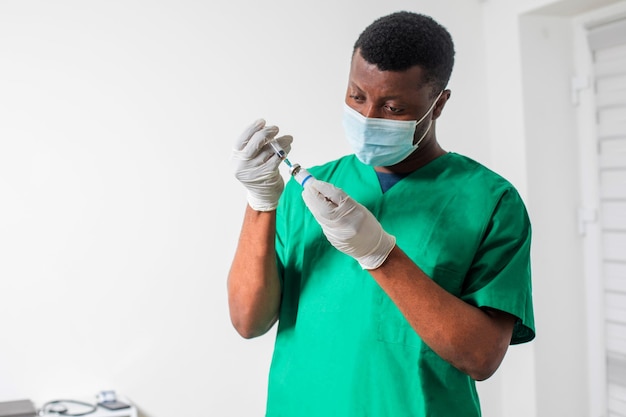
[[256, 165], [348, 225]]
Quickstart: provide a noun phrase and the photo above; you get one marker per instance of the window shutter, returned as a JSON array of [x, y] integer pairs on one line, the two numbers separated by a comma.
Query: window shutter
[[608, 44]]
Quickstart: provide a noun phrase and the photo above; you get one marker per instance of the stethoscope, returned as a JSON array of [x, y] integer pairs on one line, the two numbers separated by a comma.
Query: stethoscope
[[60, 407]]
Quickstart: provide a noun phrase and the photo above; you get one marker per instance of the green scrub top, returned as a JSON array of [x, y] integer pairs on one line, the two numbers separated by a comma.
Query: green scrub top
[[342, 347]]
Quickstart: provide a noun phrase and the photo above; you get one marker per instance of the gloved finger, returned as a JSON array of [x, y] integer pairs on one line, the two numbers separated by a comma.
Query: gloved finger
[[256, 143], [243, 139]]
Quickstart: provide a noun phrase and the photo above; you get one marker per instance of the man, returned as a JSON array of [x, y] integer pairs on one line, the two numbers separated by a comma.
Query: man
[[398, 275]]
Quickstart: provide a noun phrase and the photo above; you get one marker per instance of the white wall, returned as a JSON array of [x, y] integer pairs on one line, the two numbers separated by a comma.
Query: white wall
[[553, 201], [118, 212]]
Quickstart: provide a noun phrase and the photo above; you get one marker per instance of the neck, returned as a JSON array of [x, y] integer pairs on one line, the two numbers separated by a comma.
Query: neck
[[427, 152]]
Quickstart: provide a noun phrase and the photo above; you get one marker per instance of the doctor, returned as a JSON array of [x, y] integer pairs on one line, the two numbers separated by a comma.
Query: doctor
[[401, 274]]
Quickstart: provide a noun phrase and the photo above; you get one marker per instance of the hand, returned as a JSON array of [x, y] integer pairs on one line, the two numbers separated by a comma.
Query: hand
[[256, 165], [348, 225]]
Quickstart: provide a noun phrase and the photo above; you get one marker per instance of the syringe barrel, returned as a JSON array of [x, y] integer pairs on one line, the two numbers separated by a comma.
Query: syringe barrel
[[280, 152]]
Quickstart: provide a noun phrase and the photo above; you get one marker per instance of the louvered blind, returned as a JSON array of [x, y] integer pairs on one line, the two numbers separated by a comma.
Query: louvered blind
[[608, 44]]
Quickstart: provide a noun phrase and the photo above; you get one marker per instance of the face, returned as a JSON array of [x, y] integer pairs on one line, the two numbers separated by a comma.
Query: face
[[399, 95]]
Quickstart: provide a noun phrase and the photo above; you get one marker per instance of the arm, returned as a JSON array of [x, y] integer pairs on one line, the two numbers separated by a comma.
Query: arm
[[254, 289], [471, 339]]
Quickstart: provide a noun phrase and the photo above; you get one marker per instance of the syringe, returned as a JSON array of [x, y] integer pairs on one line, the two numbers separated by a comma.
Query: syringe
[[295, 170], [280, 152]]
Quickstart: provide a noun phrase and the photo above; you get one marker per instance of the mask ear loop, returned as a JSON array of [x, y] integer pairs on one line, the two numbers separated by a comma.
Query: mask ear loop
[[430, 122], [432, 106]]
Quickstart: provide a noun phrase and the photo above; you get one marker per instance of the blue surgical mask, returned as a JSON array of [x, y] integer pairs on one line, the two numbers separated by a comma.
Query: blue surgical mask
[[382, 142]]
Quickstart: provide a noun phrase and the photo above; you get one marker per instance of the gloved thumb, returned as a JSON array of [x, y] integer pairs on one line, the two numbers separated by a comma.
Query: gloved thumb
[[323, 198]]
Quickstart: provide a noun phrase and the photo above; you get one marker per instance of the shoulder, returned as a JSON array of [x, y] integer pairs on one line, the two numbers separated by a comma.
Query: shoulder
[[482, 194], [474, 170], [473, 178]]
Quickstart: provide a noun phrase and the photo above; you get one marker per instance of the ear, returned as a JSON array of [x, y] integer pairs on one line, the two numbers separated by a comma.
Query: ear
[[441, 103]]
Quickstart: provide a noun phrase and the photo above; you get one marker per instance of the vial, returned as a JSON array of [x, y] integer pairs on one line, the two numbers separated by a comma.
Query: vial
[[300, 174]]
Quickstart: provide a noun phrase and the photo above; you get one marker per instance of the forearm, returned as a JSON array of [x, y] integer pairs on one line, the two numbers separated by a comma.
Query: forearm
[[471, 339], [254, 289]]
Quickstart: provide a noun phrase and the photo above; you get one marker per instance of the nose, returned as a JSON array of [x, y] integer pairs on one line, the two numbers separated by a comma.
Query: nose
[[369, 110]]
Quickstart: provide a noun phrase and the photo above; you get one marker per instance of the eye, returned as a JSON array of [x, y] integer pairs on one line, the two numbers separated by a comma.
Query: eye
[[393, 109], [357, 98]]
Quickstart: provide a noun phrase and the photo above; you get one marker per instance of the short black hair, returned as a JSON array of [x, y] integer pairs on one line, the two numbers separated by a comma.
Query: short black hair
[[401, 40]]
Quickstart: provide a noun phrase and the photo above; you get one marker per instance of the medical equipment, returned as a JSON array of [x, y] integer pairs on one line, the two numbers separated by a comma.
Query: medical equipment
[[66, 408], [280, 152], [109, 400], [300, 174], [18, 408], [107, 404]]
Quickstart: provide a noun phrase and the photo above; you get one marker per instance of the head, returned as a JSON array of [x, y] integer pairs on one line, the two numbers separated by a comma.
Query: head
[[400, 68], [403, 40]]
